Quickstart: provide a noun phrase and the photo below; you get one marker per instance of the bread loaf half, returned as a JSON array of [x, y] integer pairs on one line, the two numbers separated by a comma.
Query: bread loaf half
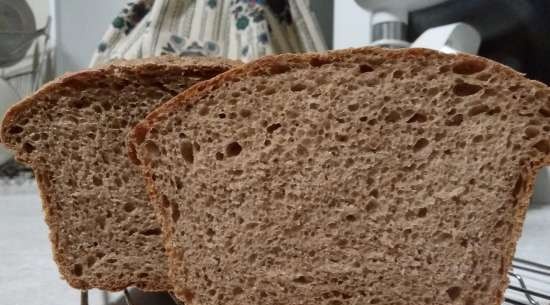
[[73, 133], [364, 176]]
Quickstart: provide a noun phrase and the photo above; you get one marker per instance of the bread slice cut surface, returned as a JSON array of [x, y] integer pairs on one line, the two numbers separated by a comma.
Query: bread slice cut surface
[[73, 134], [364, 176]]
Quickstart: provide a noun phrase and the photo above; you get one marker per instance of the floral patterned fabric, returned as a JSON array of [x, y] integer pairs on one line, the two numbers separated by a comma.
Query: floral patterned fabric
[[237, 29]]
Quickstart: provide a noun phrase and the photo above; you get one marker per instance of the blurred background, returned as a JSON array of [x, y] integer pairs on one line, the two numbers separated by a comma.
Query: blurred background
[[42, 39]]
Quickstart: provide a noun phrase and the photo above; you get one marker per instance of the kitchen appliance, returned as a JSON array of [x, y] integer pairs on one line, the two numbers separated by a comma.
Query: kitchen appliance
[[390, 20], [25, 64], [8, 96], [513, 32], [17, 31], [389, 26]]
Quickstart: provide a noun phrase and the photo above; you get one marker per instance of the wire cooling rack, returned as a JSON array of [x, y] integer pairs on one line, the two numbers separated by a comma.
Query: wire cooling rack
[[528, 281], [529, 285]]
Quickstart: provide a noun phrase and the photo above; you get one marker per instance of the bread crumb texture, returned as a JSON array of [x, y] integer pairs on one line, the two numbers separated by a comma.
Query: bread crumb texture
[[73, 133], [363, 176]]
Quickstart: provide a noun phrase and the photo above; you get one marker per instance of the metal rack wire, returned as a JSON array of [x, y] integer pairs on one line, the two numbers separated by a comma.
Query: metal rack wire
[[128, 298], [518, 284]]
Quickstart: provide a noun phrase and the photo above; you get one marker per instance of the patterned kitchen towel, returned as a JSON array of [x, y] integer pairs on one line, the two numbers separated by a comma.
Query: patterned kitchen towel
[[236, 29]]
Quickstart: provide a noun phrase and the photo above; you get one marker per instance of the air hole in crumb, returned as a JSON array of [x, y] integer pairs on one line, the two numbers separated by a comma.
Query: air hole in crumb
[[77, 270], [175, 212], [465, 89], [469, 66], [204, 110], [420, 144], [237, 290], [478, 109], [318, 61], [271, 128], [245, 113], [142, 275], [90, 261], [442, 237], [164, 201], [363, 118], [371, 206], [493, 111], [365, 68], [374, 193], [351, 218], [544, 112], [149, 232], [221, 115], [341, 138], [422, 212], [398, 74], [129, 207], [477, 139], [152, 148], [97, 181], [393, 117], [454, 292], [455, 120], [297, 87], [543, 146], [97, 108], [353, 107], [444, 69], [28, 148], [80, 103], [15, 130], [233, 149], [186, 149], [278, 67], [418, 118], [269, 91], [469, 301], [531, 132], [219, 156], [314, 106], [100, 220], [301, 150], [302, 279]]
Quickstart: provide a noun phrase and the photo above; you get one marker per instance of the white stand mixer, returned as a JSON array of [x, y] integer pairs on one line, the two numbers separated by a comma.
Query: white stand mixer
[[389, 28]]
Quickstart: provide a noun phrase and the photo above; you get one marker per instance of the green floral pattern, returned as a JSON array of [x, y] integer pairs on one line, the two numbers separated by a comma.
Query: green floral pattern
[[180, 46], [242, 23], [255, 28], [212, 3]]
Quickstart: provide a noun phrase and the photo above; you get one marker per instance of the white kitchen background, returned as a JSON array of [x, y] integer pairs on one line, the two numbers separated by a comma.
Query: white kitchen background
[[28, 275]]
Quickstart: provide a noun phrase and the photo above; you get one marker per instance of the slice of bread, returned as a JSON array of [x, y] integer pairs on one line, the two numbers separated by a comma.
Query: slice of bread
[[364, 176], [73, 134]]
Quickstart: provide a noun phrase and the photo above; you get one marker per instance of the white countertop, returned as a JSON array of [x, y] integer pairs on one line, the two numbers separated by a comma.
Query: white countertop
[[28, 275]]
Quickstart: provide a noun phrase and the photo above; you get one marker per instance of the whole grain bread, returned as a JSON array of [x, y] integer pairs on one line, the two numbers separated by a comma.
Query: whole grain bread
[[362, 176], [73, 134]]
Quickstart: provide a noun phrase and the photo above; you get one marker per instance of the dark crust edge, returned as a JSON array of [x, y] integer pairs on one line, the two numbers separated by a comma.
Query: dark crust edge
[[204, 70], [261, 66]]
